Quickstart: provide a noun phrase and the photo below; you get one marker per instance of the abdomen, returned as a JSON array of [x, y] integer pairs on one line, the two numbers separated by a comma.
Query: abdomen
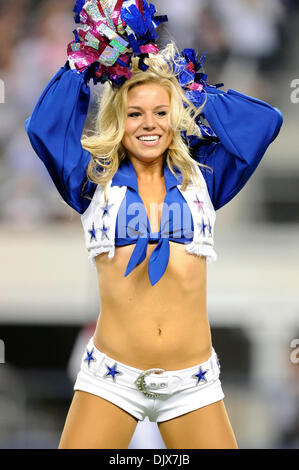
[[153, 326]]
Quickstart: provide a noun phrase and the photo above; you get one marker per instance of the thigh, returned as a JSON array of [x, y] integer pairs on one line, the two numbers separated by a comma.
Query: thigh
[[95, 423], [205, 428]]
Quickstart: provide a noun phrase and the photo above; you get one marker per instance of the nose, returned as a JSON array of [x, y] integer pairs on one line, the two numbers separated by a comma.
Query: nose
[[149, 121]]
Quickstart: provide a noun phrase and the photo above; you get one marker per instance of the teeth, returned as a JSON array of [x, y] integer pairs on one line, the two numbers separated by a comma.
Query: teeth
[[151, 138]]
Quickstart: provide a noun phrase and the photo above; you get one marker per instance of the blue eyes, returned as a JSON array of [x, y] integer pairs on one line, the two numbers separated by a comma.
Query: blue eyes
[[137, 114]]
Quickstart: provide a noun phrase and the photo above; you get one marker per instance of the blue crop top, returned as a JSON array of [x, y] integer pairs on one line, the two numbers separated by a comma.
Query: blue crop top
[[171, 228], [244, 127]]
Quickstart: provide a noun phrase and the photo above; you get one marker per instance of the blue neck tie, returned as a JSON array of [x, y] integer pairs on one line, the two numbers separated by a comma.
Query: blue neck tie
[[159, 258]]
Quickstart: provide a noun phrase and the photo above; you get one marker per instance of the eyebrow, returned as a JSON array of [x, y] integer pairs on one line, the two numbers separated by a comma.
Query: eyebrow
[[159, 106]]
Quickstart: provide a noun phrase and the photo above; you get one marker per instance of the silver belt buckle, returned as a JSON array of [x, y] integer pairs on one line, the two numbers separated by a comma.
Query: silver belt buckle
[[141, 385]]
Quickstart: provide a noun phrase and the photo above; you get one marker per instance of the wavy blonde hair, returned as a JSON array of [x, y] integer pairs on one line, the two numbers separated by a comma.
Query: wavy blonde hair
[[105, 144]]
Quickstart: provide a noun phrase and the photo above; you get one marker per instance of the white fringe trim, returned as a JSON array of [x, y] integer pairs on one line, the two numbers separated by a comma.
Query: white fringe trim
[[94, 252], [201, 249], [193, 248]]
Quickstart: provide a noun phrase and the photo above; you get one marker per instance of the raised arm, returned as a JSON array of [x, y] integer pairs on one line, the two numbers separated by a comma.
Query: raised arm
[[245, 127], [55, 130]]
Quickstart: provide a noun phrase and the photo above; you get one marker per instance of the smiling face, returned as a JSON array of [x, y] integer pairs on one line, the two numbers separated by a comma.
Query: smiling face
[[147, 132]]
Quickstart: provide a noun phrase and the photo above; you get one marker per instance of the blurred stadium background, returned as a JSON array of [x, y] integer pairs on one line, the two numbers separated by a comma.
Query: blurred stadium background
[[48, 289]]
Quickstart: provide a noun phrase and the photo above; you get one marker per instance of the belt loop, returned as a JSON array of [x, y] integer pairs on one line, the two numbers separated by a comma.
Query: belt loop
[[214, 364], [98, 355], [101, 361]]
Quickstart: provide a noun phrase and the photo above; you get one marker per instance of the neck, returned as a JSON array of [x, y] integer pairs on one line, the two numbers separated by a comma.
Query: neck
[[148, 171]]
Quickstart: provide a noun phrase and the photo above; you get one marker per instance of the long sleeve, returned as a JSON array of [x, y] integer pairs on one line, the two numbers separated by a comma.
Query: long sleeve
[[55, 129], [245, 127]]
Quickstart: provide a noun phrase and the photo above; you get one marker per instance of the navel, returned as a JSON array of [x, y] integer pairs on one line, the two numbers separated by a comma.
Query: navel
[[159, 331]]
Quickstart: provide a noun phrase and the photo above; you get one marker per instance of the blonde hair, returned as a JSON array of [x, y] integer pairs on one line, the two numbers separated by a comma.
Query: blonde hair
[[105, 145]]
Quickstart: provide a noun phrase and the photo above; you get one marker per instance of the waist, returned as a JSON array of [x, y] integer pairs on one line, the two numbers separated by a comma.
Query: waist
[[145, 339]]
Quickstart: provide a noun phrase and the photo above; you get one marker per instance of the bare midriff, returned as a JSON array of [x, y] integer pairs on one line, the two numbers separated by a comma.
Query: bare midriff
[[162, 326]]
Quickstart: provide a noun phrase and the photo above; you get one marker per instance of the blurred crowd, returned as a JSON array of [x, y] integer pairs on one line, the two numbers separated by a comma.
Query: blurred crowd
[[246, 42], [34, 36]]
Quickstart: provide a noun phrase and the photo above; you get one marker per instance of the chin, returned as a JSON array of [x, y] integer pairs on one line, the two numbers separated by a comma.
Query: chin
[[150, 157], [146, 156]]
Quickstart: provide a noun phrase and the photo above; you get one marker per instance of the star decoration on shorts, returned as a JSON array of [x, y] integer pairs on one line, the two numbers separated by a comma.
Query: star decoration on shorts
[[89, 357], [112, 372], [106, 209], [210, 229], [198, 203], [203, 227], [200, 376], [104, 232], [93, 233]]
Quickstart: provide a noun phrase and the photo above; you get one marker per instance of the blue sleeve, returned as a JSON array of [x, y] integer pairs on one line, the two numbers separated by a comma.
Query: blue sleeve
[[55, 129], [245, 127]]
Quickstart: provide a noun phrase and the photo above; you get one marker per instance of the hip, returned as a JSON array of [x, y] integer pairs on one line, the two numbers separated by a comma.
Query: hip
[[159, 394]]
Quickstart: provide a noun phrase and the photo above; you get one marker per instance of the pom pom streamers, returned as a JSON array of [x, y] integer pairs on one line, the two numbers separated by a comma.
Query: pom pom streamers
[[111, 32]]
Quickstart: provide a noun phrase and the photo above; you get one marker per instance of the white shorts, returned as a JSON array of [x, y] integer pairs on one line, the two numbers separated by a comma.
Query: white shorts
[[159, 396]]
